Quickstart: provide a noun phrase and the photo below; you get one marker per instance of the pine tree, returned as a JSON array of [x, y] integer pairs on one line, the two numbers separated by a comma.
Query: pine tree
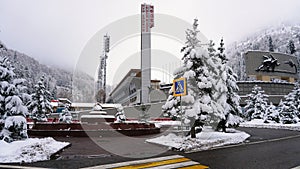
[[272, 114], [271, 46], [40, 105], [232, 111], [290, 109], [291, 47], [256, 104], [13, 96], [200, 105]]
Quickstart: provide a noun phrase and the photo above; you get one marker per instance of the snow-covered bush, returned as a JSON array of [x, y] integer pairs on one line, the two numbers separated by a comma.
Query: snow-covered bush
[[120, 115], [65, 116], [257, 103], [40, 105], [13, 97]]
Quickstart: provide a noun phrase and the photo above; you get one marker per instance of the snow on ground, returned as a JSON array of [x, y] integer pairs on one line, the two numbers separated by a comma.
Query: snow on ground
[[29, 150], [207, 139], [259, 123]]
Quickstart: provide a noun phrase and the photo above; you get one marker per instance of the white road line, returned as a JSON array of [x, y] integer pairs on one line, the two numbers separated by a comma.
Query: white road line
[[298, 167], [18, 167], [134, 162], [176, 165]]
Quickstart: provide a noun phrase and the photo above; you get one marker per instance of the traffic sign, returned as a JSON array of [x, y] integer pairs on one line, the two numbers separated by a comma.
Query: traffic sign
[[180, 88]]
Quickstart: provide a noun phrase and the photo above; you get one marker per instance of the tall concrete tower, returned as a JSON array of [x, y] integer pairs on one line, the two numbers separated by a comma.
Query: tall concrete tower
[[100, 86], [147, 22]]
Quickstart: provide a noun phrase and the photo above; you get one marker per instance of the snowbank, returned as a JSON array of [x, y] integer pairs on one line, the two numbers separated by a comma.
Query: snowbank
[[207, 139], [29, 150], [259, 123]]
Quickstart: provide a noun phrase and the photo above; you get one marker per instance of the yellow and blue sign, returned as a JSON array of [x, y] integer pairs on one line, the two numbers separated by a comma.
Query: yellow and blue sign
[[179, 87]]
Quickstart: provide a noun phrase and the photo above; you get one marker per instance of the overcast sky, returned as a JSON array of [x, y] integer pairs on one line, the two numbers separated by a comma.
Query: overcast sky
[[56, 31]]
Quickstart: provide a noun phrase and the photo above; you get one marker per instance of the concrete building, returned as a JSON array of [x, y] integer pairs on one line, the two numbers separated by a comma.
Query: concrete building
[[128, 91]]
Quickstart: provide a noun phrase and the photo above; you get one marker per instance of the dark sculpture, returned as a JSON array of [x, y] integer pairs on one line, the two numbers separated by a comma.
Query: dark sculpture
[[292, 64], [269, 63]]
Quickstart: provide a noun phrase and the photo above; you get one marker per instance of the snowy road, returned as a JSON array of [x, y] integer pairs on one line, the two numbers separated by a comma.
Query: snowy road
[[267, 148]]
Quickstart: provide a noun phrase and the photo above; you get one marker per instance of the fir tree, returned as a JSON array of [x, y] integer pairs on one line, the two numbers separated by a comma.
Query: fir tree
[[291, 47], [13, 125], [289, 112], [232, 111], [256, 104], [271, 114], [40, 105], [271, 46], [200, 106]]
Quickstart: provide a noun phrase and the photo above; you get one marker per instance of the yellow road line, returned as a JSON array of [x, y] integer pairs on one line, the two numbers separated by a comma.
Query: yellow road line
[[199, 166], [153, 164]]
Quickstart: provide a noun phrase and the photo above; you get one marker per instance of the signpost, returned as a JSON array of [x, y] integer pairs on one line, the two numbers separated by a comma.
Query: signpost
[[180, 89]]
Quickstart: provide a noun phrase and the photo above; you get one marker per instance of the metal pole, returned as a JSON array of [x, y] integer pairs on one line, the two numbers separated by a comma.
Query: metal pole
[[181, 122]]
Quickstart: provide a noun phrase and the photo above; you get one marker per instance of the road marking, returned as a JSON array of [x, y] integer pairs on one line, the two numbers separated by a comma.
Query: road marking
[[18, 167], [175, 161], [154, 164], [298, 167], [199, 166]]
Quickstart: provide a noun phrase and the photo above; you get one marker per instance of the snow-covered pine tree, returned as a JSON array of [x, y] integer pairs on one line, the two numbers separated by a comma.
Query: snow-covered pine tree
[[271, 114], [232, 107], [219, 75], [289, 112], [291, 47], [200, 106], [256, 104], [13, 97], [40, 105], [271, 46]]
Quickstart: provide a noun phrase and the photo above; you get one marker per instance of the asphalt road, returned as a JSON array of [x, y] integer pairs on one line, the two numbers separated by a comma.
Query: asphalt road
[[266, 148]]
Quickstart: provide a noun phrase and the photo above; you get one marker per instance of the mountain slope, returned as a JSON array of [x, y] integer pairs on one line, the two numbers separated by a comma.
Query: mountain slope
[[260, 41]]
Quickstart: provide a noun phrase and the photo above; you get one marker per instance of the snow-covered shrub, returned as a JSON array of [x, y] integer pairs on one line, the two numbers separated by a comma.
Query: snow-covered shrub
[[65, 116], [120, 115]]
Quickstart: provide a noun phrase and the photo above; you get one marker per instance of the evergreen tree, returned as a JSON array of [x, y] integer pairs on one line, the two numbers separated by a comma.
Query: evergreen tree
[[291, 47], [271, 46], [13, 125], [256, 104], [40, 105], [271, 114], [232, 111], [200, 105], [290, 109]]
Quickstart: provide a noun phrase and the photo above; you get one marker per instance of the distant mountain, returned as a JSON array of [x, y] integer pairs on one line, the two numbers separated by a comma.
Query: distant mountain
[[58, 81], [281, 36]]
